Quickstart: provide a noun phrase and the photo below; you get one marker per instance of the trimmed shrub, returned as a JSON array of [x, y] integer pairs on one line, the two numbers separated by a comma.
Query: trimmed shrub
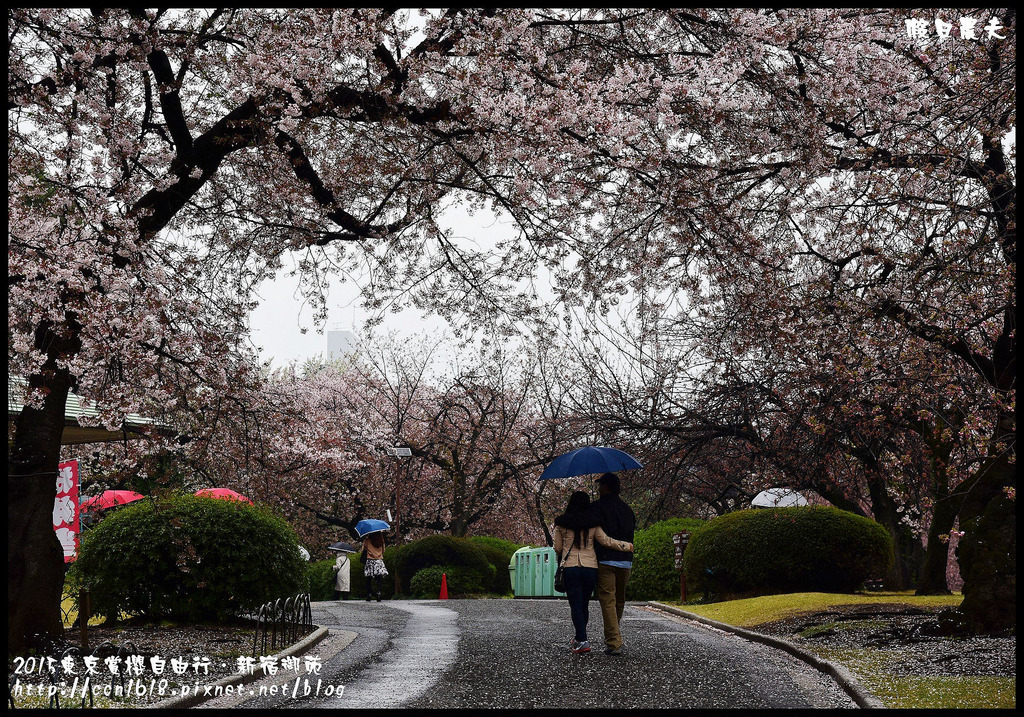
[[320, 579], [498, 553], [188, 558], [439, 550], [782, 550], [654, 575], [505, 546], [461, 581]]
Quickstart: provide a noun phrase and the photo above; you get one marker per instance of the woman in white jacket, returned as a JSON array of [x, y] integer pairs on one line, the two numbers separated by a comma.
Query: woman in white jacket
[[342, 582]]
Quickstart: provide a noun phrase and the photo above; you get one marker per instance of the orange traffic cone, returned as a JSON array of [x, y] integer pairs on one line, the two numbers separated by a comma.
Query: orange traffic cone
[[444, 587]]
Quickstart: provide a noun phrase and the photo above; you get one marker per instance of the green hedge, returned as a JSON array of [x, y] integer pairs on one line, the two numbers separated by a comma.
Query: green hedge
[[443, 550], [654, 575], [460, 581], [768, 551], [320, 580], [505, 546], [498, 553], [188, 558], [479, 565]]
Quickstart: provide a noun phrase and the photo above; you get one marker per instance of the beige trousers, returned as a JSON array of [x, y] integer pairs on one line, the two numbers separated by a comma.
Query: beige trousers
[[611, 593]]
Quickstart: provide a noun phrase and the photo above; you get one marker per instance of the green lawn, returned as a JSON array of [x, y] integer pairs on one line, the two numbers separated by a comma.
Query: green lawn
[[768, 608], [926, 692], [871, 666], [947, 692]]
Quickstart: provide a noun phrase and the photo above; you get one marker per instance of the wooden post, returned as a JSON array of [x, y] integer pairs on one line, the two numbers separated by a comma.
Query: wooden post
[[680, 540], [83, 617], [399, 452]]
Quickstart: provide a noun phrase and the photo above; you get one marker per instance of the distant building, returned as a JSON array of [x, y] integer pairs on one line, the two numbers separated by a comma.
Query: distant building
[[340, 343]]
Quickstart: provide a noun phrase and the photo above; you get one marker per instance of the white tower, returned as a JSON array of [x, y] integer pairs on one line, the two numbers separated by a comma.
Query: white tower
[[340, 342]]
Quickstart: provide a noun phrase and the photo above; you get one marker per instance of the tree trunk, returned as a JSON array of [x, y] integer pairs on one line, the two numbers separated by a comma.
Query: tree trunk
[[933, 573], [539, 508], [944, 511], [987, 550], [35, 559], [907, 549], [459, 527]]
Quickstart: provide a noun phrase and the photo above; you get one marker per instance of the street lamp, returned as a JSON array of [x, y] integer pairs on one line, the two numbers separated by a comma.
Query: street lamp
[[398, 452]]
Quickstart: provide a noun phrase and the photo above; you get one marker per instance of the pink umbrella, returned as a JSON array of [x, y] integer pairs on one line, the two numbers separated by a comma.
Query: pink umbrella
[[109, 499], [222, 493]]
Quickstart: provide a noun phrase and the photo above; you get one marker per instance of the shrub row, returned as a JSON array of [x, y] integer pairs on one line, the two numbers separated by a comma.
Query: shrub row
[[459, 580], [187, 558], [782, 550], [473, 566], [197, 559]]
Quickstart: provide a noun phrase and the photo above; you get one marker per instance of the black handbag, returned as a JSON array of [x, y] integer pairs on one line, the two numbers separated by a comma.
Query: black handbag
[[560, 572]]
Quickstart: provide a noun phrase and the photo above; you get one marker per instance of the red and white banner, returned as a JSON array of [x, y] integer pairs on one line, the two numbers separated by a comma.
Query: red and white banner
[[65, 509]]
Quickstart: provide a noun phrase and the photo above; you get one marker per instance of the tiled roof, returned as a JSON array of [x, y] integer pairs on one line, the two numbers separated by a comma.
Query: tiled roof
[[76, 408]]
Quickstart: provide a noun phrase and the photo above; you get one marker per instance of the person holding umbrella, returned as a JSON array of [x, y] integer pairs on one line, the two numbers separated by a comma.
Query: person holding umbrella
[[614, 516], [342, 572], [580, 563], [618, 521], [372, 533], [373, 564]]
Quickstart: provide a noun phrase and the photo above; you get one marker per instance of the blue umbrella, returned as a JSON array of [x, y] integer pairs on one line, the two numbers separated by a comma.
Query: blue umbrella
[[365, 527], [590, 459]]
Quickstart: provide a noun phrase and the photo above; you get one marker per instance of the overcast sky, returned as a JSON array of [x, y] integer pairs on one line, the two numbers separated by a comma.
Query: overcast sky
[[277, 323]]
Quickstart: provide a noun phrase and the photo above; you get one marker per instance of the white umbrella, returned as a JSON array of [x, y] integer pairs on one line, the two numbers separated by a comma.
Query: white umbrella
[[777, 498]]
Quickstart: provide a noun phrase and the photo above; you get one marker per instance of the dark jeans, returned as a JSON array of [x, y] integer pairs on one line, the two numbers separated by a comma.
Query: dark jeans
[[579, 586]]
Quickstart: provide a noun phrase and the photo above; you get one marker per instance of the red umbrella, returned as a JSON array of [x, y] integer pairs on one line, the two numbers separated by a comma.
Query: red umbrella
[[109, 499], [222, 493]]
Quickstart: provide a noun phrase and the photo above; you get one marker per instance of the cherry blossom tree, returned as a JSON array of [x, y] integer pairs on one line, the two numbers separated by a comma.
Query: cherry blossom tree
[[864, 177], [162, 161], [469, 427]]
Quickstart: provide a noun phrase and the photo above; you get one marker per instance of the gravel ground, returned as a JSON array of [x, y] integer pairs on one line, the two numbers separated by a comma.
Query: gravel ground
[[685, 664], [519, 651], [502, 654], [900, 640]]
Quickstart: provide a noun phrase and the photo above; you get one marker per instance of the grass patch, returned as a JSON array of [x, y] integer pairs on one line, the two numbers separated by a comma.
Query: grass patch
[[875, 669], [816, 630], [749, 612], [69, 609], [939, 692]]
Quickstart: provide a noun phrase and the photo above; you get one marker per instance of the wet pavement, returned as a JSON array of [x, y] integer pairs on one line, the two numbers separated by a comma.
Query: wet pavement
[[512, 654]]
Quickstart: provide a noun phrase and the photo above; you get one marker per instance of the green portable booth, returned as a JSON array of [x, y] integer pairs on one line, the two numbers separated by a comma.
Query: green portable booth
[[532, 571]]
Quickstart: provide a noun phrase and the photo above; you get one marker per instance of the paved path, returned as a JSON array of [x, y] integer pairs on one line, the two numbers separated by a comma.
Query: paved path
[[514, 654]]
